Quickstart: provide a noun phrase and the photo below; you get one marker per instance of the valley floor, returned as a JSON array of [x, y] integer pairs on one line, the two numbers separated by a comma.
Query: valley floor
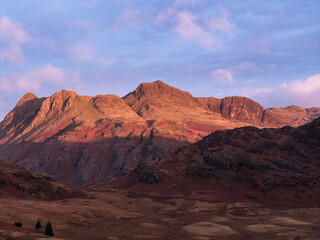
[[112, 214]]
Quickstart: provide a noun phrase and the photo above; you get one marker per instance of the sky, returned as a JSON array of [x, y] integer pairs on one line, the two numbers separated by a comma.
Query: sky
[[267, 50]]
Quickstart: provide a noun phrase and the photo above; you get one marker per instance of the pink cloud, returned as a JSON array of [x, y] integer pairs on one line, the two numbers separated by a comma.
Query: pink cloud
[[221, 23], [34, 80], [222, 75], [303, 92], [226, 75], [197, 29], [187, 27], [13, 36], [309, 86]]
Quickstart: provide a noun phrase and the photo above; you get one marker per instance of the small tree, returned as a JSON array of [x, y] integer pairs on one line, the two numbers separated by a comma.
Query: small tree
[[18, 224], [38, 225], [49, 230]]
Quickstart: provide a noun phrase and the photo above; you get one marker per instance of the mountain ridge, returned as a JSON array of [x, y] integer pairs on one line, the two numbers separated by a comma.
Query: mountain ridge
[[81, 139]]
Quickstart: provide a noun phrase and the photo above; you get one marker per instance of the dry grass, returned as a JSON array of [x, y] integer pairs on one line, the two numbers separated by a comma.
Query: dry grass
[[113, 215]]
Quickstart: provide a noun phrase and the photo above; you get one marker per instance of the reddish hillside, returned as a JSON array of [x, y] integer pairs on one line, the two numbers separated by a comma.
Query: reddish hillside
[[82, 139], [274, 166], [17, 182]]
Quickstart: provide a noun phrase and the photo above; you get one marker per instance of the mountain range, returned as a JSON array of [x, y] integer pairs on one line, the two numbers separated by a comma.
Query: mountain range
[[82, 139]]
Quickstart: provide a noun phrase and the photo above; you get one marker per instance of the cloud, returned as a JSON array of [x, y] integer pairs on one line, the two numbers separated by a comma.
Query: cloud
[[188, 28], [86, 53], [309, 86], [222, 75], [34, 80], [226, 75], [198, 29], [12, 37], [303, 92], [221, 24]]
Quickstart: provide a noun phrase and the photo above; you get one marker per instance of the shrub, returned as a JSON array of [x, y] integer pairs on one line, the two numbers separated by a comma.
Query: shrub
[[49, 230], [38, 225], [18, 224]]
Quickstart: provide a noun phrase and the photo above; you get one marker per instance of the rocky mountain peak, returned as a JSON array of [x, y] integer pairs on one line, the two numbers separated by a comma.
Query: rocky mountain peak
[[155, 90], [26, 97], [295, 108], [157, 100], [64, 94]]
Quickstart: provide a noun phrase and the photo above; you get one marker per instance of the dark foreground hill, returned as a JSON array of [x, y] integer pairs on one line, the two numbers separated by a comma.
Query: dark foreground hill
[[278, 167], [19, 183]]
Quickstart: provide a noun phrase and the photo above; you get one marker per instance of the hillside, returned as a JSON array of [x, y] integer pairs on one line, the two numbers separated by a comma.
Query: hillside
[[17, 182], [277, 167]]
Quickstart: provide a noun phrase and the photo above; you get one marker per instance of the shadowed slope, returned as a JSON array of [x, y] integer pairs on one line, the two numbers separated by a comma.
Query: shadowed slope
[[17, 182]]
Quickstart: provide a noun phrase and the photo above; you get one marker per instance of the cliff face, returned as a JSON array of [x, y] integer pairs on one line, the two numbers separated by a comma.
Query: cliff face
[[81, 139], [236, 108]]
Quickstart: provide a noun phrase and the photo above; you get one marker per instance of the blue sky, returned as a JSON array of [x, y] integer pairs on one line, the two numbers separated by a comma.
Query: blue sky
[[266, 50]]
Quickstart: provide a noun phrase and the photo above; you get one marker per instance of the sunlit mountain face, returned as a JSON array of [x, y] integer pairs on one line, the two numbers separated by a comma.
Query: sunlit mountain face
[[81, 139]]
